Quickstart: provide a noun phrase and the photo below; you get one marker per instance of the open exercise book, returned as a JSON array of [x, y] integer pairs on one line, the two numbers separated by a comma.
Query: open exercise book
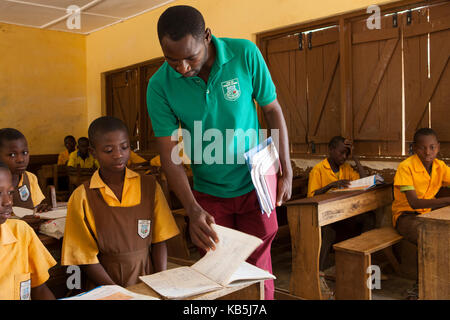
[[112, 292], [263, 164], [223, 267], [362, 184], [60, 212]]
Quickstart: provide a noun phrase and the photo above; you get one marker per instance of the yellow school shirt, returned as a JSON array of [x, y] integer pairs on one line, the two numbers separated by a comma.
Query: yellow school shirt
[[135, 158], [24, 260], [412, 175], [35, 191], [63, 158], [322, 175], [88, 163], [79, 246]]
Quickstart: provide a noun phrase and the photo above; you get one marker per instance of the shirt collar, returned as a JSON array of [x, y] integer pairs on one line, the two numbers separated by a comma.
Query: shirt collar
[[97, 182], [6, 235], [223, 55]]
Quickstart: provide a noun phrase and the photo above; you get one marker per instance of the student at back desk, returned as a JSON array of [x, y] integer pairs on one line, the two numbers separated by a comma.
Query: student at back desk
[[117, 222], [70, 144], [331, 173], [416, 183], [82, 157]]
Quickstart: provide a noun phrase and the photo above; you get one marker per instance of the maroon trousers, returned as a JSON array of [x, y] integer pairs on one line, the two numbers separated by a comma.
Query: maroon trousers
[[243, 213]]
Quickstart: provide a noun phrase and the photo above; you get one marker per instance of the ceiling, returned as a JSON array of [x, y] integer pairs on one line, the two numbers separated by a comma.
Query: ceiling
[[77, 16]]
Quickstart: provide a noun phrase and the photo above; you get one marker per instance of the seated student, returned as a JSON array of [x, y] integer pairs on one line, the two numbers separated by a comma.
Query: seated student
[[416, 182], [70, 144], [333, 172], [117, 222], [14, 153], [82, 157], [24, 259]]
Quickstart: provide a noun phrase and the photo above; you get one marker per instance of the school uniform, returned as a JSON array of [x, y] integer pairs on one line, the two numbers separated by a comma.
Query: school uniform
[[117, 234], [24, 260], [28, 194], [88, 163], [63, 157], [322, 175], [412, 175]]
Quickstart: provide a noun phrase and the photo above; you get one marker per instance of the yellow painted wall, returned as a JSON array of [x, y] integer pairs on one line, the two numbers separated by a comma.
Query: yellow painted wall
[[42, 85], [136, 40]]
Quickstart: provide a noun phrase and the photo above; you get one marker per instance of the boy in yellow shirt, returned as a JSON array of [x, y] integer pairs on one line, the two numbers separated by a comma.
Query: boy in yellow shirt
[[117, 223], [14, 153], [82, 157], [24, 259], [70, 144], [416, 182], [331, 173]]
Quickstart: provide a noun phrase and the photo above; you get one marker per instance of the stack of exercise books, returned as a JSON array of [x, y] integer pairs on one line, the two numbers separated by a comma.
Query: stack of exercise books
[[264, 166]]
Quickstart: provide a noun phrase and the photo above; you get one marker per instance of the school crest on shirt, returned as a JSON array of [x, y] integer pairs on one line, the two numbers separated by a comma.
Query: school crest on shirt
[[25, 290], [24, 193], [144, 228], [231, 89]]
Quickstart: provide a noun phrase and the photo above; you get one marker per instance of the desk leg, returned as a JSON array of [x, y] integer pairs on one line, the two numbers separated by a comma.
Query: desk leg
[[306, 241]]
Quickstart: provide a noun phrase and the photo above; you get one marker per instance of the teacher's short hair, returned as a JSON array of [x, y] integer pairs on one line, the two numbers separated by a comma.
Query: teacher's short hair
[[179, 21]]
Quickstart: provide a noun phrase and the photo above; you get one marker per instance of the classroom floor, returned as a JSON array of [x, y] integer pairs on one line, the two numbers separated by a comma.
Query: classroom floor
[[393, 288]]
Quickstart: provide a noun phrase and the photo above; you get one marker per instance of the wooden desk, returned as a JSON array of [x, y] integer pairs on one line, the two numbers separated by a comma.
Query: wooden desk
[[248, 291], [434, 255], [305, 219]]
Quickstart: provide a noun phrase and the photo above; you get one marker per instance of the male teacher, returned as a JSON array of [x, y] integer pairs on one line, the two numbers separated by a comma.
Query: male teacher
[[208, 85]]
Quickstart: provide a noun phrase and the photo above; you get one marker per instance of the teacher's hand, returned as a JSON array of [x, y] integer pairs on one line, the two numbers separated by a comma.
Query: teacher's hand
[[284, 189], [200, 230]]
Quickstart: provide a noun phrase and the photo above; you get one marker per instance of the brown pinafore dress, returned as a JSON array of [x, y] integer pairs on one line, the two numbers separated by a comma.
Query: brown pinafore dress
[[23, 192], [124, 234]]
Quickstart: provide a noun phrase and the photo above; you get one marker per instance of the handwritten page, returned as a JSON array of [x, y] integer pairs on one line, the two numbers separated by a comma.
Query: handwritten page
[[234, 247], [21, 212], [53, 214], [246, 272], [179, 283], [111, 292]]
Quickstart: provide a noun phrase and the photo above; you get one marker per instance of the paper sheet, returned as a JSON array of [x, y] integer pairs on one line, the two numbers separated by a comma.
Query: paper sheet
[[110, 293], [234, 247], [247, 271]]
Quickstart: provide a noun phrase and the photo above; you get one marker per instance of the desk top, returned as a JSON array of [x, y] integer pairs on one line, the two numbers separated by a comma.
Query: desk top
[[442, 214], [335, 196]]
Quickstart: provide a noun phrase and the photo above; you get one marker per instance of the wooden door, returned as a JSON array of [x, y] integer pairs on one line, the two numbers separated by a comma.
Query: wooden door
[[377, 87]]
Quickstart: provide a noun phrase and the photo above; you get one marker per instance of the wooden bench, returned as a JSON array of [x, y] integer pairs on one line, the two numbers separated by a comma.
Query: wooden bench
[[353, 257]]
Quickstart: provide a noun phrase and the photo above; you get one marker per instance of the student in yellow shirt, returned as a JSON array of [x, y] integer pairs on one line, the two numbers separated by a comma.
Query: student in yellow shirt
[[416, 182], [136, 160], [331, 173], [14, 153], [70, 144], [82, 157], [117, 223], [24, 259]]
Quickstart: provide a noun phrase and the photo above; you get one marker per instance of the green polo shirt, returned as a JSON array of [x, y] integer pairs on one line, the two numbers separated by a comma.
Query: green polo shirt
[[218, 118]]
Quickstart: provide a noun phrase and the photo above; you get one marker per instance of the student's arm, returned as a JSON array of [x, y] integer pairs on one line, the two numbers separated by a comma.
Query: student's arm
[[200, 221], [97, 274], [333, 185], [42, 292], [361, 171], [275, 120], [159, 256], [417, 203]]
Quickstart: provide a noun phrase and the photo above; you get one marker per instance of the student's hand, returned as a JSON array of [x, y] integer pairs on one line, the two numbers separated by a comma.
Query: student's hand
[[43, 207], [349, 144], [200, 230], [340, 184], [284, 189]]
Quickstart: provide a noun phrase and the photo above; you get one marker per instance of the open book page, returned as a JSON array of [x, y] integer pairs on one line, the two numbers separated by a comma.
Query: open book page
[[363, 183], [234, 247], [21, 212], [179, 283], [111, 292], [247, 272], [53, 214]]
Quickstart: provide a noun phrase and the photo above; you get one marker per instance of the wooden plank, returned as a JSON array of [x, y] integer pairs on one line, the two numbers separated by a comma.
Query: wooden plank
[[306, 242], [351, 276], [345, 67], [441, 215], [375, 35], [281, 294], [337, 210], [425, 28], [370, 241]]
